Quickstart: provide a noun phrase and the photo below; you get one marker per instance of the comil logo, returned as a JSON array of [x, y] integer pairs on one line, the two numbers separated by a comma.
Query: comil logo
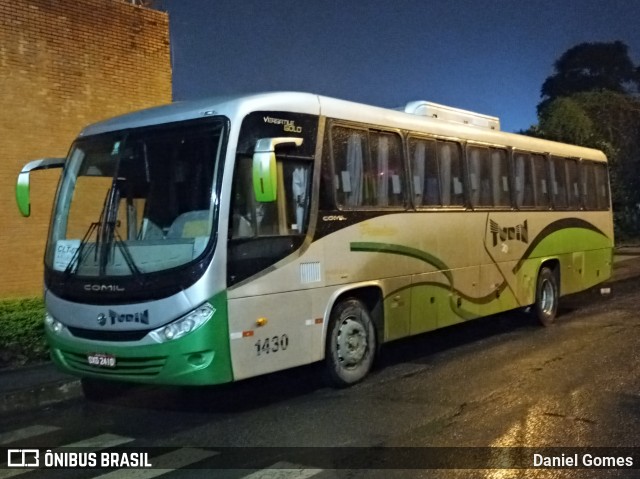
[[513, 233], [23, 458]]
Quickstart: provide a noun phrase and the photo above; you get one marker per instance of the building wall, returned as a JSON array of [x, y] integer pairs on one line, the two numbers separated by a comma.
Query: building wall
[[64, 64]]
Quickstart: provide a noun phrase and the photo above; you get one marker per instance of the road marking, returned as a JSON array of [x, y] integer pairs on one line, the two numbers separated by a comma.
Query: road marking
[[103, 441], [25, 433], [283, 470], [162, 464]]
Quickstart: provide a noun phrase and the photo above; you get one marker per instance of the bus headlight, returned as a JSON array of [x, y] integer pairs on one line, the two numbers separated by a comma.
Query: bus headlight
[[184, 325], [53, 324]]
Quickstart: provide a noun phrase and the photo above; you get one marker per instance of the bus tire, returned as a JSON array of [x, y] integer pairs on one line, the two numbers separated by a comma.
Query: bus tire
[[351, 343], [545, 307]]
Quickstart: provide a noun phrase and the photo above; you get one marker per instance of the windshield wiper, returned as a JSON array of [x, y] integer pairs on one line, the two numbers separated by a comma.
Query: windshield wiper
[[107, 227], [106, 233], [79, 255]]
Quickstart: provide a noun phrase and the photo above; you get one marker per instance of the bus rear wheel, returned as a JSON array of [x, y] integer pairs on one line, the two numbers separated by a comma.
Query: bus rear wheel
[[545, 307], [351, 343]]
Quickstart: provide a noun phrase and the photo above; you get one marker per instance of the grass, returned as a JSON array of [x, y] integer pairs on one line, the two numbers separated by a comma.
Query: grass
[[22, 332]]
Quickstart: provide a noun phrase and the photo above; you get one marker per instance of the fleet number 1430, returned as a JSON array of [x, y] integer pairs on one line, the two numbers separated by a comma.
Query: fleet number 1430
[[272, 344]]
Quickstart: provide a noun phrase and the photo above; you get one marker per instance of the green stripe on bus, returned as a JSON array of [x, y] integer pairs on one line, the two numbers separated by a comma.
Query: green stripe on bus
[[372, 247]]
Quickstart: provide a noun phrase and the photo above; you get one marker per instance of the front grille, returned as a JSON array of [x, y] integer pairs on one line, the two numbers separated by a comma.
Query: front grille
[[108, 335], [125, 366]]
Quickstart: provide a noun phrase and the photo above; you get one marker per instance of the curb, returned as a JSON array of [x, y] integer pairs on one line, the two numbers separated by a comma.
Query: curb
[[40, 396]]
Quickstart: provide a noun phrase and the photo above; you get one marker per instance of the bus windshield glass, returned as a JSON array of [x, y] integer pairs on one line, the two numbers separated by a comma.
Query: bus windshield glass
[[137, 201]]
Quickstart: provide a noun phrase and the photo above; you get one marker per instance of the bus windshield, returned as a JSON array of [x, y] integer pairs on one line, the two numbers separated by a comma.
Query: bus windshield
[[136, 201]]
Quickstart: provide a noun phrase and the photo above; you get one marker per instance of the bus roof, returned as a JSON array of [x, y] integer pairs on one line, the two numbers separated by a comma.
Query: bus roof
[[237, 106], [231, 106]]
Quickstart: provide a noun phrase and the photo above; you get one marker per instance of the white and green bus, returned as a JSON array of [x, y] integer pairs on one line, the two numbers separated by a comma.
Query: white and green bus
[[212, 241]]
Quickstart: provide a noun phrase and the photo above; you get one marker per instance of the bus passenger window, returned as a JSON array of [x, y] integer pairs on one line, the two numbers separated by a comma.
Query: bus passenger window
[[573, 184], [449, 160], [524, 180], [602, 186], [369, 168], [349, 147], [499, 178], [541, 181], [387, 168], [479, 177], [558, 182], [589, 190], [424, 171]]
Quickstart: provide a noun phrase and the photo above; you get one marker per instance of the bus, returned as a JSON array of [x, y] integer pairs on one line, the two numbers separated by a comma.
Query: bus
[[210, 241]]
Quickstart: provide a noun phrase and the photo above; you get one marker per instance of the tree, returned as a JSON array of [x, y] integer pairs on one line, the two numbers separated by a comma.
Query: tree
[[565, 119], [592, 100], [599, 66], [610, 122]]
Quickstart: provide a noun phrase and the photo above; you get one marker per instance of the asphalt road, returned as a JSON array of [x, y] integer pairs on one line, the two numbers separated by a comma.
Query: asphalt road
[[501, 381]]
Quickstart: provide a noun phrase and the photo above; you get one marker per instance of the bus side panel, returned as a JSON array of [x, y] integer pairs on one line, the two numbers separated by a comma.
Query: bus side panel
[[586, 267], [273, 332], [429, 294], [397, 307], [601, 266], [580, 242], [497, 294]]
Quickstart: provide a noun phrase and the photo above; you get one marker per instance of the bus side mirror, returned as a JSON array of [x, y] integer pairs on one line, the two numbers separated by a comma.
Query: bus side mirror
[[22, 186], [265, 176]]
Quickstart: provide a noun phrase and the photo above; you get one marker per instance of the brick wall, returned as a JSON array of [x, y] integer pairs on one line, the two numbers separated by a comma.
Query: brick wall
[[64, 64]]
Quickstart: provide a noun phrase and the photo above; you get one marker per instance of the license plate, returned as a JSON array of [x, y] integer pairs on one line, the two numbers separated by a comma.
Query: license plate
[[101, 360]]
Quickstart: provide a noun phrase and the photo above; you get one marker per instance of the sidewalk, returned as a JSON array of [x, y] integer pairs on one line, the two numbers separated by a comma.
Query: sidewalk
[[35, 386], [41, 385]]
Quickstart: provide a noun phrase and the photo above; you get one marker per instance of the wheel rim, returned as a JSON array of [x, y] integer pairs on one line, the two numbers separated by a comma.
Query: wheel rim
[[351, 343], [547, 298]]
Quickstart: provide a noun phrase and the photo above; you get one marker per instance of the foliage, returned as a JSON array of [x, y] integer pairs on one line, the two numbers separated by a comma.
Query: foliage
[[591, 101], [600, 66], [22, 331], [566, 120], [608, 121]]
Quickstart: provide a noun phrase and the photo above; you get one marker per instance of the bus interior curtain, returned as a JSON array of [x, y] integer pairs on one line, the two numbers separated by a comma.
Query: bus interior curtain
[[353, 196], [419, 159], [553, 181], [300, 188], [444, 158], [520, 170], [383, 171], [474, 176], [496, 179]]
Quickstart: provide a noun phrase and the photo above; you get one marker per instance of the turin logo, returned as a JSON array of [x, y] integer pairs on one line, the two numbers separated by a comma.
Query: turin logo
[[513, 233], [113, 317]]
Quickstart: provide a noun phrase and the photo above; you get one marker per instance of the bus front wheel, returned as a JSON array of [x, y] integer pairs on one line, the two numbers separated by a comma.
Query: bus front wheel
[[351, 343], [545, 308]]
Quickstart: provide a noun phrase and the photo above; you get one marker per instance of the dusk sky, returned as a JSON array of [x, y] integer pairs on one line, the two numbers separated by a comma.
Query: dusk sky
[[490, 56]]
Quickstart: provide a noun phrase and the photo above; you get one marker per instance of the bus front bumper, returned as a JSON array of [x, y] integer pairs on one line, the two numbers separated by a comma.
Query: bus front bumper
[[199, 358]]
